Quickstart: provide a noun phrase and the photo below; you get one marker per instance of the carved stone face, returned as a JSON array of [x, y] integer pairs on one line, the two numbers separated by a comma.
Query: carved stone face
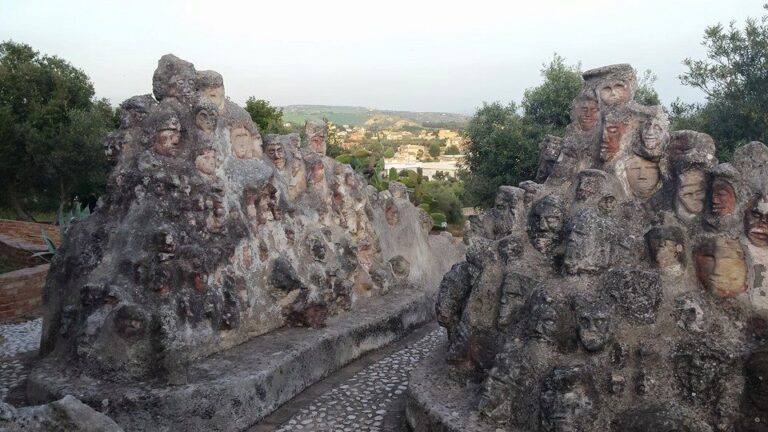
[[614, 93], [242, 143], [587, 113], [692, 191], [588, 187], [565, 402], [205, 120], [392, 214], [276, 154], [756, 223], [544, 321], [216, 95], [586, 250], [206, 162], [167, 138], [545, 225], [317, 174], [720, 266], [652, 136], [594, 324], [611, 141], [668, 253], [181, 87], [550, 150], [643, 176], [723, 198]]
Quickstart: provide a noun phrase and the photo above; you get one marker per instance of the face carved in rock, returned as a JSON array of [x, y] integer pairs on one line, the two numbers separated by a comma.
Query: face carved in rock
[[566, 400], [692, 191], [166, 141], [586, 248], [652, 136], [545, 224], [721, 267], [216, 95], [276, 154], [242, 142], [181, 87], [611, 140], [614, 93], [666, 247], [594, 325], [643, 176], [205, 120], [587, 113], [723, 198], [206, 162], [756, 222]]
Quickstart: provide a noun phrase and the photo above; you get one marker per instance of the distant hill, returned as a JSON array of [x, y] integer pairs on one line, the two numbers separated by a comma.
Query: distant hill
[[360, 116]]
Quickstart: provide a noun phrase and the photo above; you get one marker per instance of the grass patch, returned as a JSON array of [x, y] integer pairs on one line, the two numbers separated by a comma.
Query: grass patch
[[40, 216]]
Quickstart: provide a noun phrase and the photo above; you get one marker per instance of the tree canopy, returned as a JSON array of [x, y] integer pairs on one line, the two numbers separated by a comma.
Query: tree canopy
[[734, 77], [269, 118], [51, 130]]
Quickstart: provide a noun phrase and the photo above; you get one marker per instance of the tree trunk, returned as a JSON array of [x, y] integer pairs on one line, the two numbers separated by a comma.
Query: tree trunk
[[21, 213]]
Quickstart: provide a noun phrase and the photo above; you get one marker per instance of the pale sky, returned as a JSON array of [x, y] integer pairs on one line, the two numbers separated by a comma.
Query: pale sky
[[404, 55]]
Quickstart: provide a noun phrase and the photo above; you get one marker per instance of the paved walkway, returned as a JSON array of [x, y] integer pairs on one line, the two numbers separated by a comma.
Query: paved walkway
[[366, 396], [18, 342]]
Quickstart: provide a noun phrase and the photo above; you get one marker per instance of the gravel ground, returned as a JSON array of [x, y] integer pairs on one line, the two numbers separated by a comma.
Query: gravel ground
[[363, 402], [15, 340]]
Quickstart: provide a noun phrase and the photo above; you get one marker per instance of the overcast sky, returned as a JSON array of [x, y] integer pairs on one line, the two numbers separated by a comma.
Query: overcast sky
[[407, 55]]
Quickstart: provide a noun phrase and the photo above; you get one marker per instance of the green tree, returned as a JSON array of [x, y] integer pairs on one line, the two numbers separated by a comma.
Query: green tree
[[549, 104], [50, 131], [333, 141], [502, 150], [734, 77], [646, 94], [434, 149], [267, 117], [451, 150]]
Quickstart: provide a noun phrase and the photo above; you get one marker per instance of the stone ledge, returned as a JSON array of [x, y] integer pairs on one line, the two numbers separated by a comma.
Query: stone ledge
[[234, 389], [436, 403]]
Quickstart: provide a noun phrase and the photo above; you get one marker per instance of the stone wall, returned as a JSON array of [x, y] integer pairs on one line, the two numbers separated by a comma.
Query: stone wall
[[26, 234], [21, 293]]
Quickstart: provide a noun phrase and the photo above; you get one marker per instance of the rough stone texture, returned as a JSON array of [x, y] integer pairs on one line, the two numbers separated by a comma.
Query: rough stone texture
[[637, 300], [235, 388], [208, 236], [18, 342], [21, 293], [67, 414]]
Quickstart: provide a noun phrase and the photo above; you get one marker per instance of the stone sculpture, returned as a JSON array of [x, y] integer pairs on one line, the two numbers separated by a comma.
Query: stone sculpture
[[201, 243], [637, 301]]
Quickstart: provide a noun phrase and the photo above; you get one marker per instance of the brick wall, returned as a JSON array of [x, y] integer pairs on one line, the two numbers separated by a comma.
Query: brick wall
[[26, 233], [21, 293]]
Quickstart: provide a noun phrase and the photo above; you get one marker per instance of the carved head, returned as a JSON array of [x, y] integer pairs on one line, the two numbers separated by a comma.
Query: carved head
[[587, 112], [113, 147], [567, 399], [756, 222], [643, 176], [721, 267], [206, 115], [134, 110], [613, 85], [315, 133], [593, 320], [206, 162], [210, 84], [610, 144], [531, 189], [543, 317], [245, 140], [275, 151], [596, 187], [666, 247], [654, 135], [549, 148], [167, 138], [587, 246], [615, 92], [691, 191], [174, 78], [545, 223]]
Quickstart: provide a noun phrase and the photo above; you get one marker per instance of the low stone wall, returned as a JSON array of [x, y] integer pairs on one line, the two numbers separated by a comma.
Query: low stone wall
[[26, 234], [21, 293]]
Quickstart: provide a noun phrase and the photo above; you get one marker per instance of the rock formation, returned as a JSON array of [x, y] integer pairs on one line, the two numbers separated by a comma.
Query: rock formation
[[624, 291], [210, 234]]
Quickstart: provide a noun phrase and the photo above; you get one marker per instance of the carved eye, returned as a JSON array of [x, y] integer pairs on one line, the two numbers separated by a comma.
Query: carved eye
[[583, 322]]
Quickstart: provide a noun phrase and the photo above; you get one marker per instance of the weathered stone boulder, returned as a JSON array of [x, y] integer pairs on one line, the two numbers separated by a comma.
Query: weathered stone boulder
[[67, 414]]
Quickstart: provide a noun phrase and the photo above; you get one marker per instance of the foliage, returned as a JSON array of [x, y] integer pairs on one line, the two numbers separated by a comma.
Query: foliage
[[434, 149], [267, 117], [734, 77], [77, 212], [389, 153], [550, 103], [645, 93], [50, 131], [451, 150], [333, 140]]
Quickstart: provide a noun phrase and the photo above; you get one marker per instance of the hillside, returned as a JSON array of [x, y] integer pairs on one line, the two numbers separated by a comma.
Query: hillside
[[359, 116]]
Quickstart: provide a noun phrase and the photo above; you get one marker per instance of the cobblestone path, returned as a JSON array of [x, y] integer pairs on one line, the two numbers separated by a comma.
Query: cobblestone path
[[17, 343], [366, 396]]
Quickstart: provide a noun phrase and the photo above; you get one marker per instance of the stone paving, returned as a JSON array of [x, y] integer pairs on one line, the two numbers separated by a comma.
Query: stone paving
[[369, 400], [15, 341]]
